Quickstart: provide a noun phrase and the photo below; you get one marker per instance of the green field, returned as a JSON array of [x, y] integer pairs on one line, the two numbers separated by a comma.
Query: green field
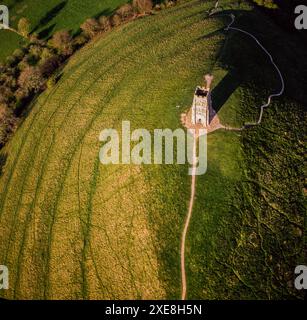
[[47, 17], [73, 228]]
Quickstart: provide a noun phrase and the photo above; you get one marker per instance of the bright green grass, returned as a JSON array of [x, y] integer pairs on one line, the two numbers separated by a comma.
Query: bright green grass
[[50, 16]]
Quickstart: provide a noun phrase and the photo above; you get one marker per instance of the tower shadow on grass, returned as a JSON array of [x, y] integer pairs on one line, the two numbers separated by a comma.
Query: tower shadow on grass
[[51, 14], [233, 56], [46, 33], [224, 89]]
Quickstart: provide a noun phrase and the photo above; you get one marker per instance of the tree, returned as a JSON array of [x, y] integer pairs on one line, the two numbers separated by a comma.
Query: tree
[[5, 94], [105, 23], [270, 4], [142, 6], [125, 11], [169, 3], [80, 40], [21, 93], [34, 39], [11, 60], [90, 27], [36, 50], [23, 64], [18, 53], [7, 123], [46, 54], [31, 79], [24, 27], [8, 78], [116, 20], [62, 41], [49, 65]]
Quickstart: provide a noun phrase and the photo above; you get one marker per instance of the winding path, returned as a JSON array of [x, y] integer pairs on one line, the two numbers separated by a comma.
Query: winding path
[[193, 182], [229, 27]]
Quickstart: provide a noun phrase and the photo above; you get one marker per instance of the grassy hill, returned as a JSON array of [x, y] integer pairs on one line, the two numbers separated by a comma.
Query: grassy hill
[[248, 242], [50, 16], [73, 228]]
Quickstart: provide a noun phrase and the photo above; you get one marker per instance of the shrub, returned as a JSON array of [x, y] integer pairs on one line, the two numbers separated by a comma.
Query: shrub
[[2, 68], [33, 38], [24, 27], [31, 79], [21, 93], [143, 6], [46, 54], [169, 4], [36, 50], [5, 94], [116, 20], [62, 42], [31, 59], [7, 123], [90, 27], [269, 4], [125, 11], [80, 40], [11, 61], [23, 64], [8, 78], [48, 66], [105, 23], [19, 54]]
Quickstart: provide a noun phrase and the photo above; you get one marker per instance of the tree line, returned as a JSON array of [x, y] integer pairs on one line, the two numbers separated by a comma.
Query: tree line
[[33, 68]]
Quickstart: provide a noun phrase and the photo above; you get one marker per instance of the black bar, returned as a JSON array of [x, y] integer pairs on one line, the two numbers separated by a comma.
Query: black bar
[[155, 309]]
